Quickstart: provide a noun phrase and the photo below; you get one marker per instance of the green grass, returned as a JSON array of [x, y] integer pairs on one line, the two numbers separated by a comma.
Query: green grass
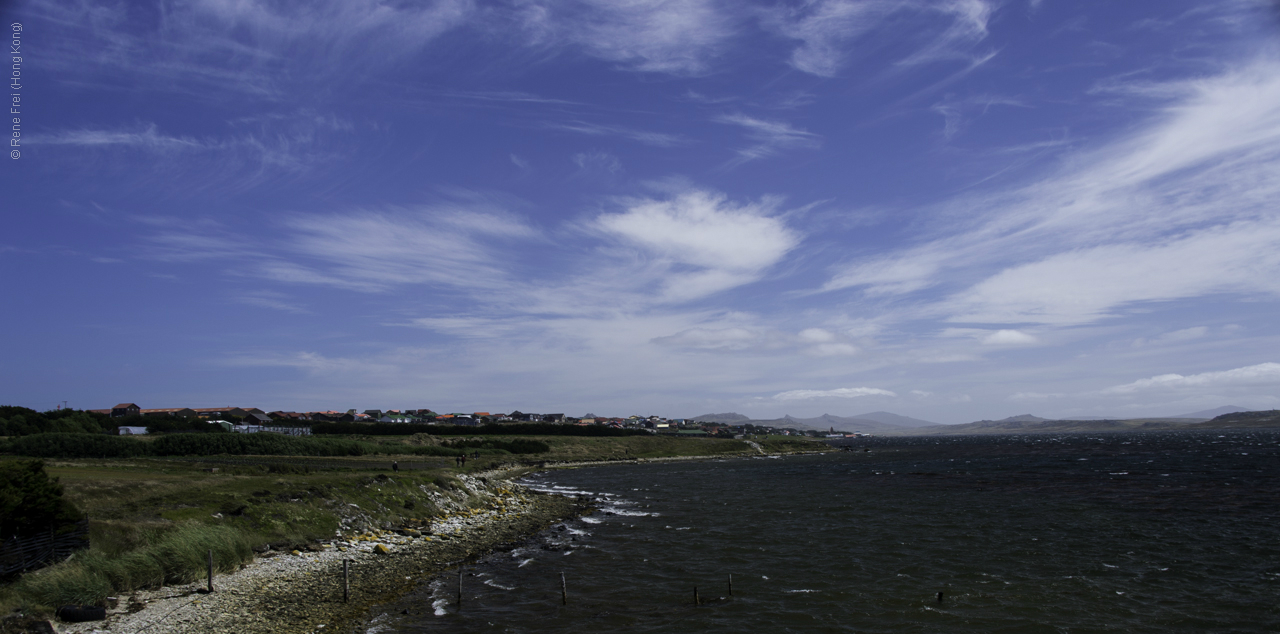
[[153, 520]]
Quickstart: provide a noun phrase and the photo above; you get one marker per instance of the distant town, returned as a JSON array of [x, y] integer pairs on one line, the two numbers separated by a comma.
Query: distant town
[[133, 419]]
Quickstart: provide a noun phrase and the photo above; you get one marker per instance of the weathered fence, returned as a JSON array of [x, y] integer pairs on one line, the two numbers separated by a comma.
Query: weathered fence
[[18, 554]]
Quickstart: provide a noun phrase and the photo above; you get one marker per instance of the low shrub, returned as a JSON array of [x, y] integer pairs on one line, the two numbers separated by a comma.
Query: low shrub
[[30, 501], [515, 445], [64, 445], [178, 555], [254, 444]]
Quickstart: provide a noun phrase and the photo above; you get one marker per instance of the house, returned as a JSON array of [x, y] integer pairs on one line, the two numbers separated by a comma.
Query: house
[[257, 419], [184, 412], [553, 418], [279, 415], [218, 412], [125, 409], [395, 418]]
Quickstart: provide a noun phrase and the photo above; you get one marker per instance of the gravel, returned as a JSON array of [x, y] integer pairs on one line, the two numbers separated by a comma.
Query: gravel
[[301, 592]]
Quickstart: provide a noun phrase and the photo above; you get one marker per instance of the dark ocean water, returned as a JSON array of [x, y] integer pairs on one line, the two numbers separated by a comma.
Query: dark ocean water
[[1155, 532]]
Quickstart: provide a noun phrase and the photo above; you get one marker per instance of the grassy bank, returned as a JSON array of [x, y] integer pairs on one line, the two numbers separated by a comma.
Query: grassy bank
[[153, 520]]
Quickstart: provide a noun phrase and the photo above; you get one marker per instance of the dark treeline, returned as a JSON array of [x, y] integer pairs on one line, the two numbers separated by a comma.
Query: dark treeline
[[64, 445], [22, 421], [31, 501], [516, 429]]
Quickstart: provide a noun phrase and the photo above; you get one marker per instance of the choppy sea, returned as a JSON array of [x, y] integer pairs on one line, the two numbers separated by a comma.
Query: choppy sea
[[1121, 532]]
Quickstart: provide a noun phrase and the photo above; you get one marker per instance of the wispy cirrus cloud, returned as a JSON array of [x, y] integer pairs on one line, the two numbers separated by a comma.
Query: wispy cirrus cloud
[[656, 139], [680, 37], [149, 138], [770, 136], [828, 29], [1253, 375], [280, 145], [1178, 209], [844, 392], [700, 242]]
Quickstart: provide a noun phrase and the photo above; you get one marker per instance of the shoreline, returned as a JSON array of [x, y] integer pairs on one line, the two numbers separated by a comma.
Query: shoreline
[[301, 592]]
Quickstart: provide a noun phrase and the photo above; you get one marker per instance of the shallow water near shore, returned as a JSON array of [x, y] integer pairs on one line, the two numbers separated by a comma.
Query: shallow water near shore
[[1139, 532]]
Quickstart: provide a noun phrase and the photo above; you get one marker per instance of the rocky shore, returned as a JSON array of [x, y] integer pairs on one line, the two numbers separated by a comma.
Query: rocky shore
[[302, 592]]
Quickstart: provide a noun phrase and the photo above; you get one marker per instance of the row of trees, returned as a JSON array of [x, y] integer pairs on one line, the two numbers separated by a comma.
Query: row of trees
[[22, 421]]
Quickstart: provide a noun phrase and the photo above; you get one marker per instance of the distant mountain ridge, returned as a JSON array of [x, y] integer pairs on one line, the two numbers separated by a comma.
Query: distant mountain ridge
[[890, 418], [1213, 413], [1026, 423], [873, 422], [731, 418]]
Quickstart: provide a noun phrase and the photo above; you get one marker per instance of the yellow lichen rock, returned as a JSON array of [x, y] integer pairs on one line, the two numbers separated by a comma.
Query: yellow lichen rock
[[381, 549]]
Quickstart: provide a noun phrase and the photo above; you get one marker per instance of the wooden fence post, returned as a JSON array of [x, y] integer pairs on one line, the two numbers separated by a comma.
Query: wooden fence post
[[210, 570]]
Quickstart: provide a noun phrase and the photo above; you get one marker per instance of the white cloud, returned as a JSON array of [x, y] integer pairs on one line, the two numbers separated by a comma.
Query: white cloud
[[816, 335], [844, 392], [1185, 334], [666, 36], [715, 339], [893, 275], [381, 249], [1267, 374], [149, 138], [338, 23], [1036, 396], [770, 136], [1089, 284], [656, 139], [700, 242], [833, 350], [597, 161], [1181, 208], [272, 300], [1008, 338], [828, 28]]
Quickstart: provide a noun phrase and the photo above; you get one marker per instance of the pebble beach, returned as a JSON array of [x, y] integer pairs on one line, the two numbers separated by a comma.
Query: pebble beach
[[301, 591]]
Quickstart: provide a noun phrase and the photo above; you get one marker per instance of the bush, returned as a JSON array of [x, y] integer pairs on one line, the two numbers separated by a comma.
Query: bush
[[515, 445], [22, 421], [60, 445], [99, 446], [30, 501], [179, 555], [254, 444], [519, 429]]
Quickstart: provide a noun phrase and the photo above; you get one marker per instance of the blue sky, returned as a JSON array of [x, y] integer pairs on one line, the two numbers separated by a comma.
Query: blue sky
[[952, 209]]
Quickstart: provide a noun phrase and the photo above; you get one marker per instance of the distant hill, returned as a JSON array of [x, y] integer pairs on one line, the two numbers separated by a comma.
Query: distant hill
[[1213, 413], [1034, 424], [731, 418], [838, 423], [1236, 420], [873, 423], [890, 418], [1021, 418]]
